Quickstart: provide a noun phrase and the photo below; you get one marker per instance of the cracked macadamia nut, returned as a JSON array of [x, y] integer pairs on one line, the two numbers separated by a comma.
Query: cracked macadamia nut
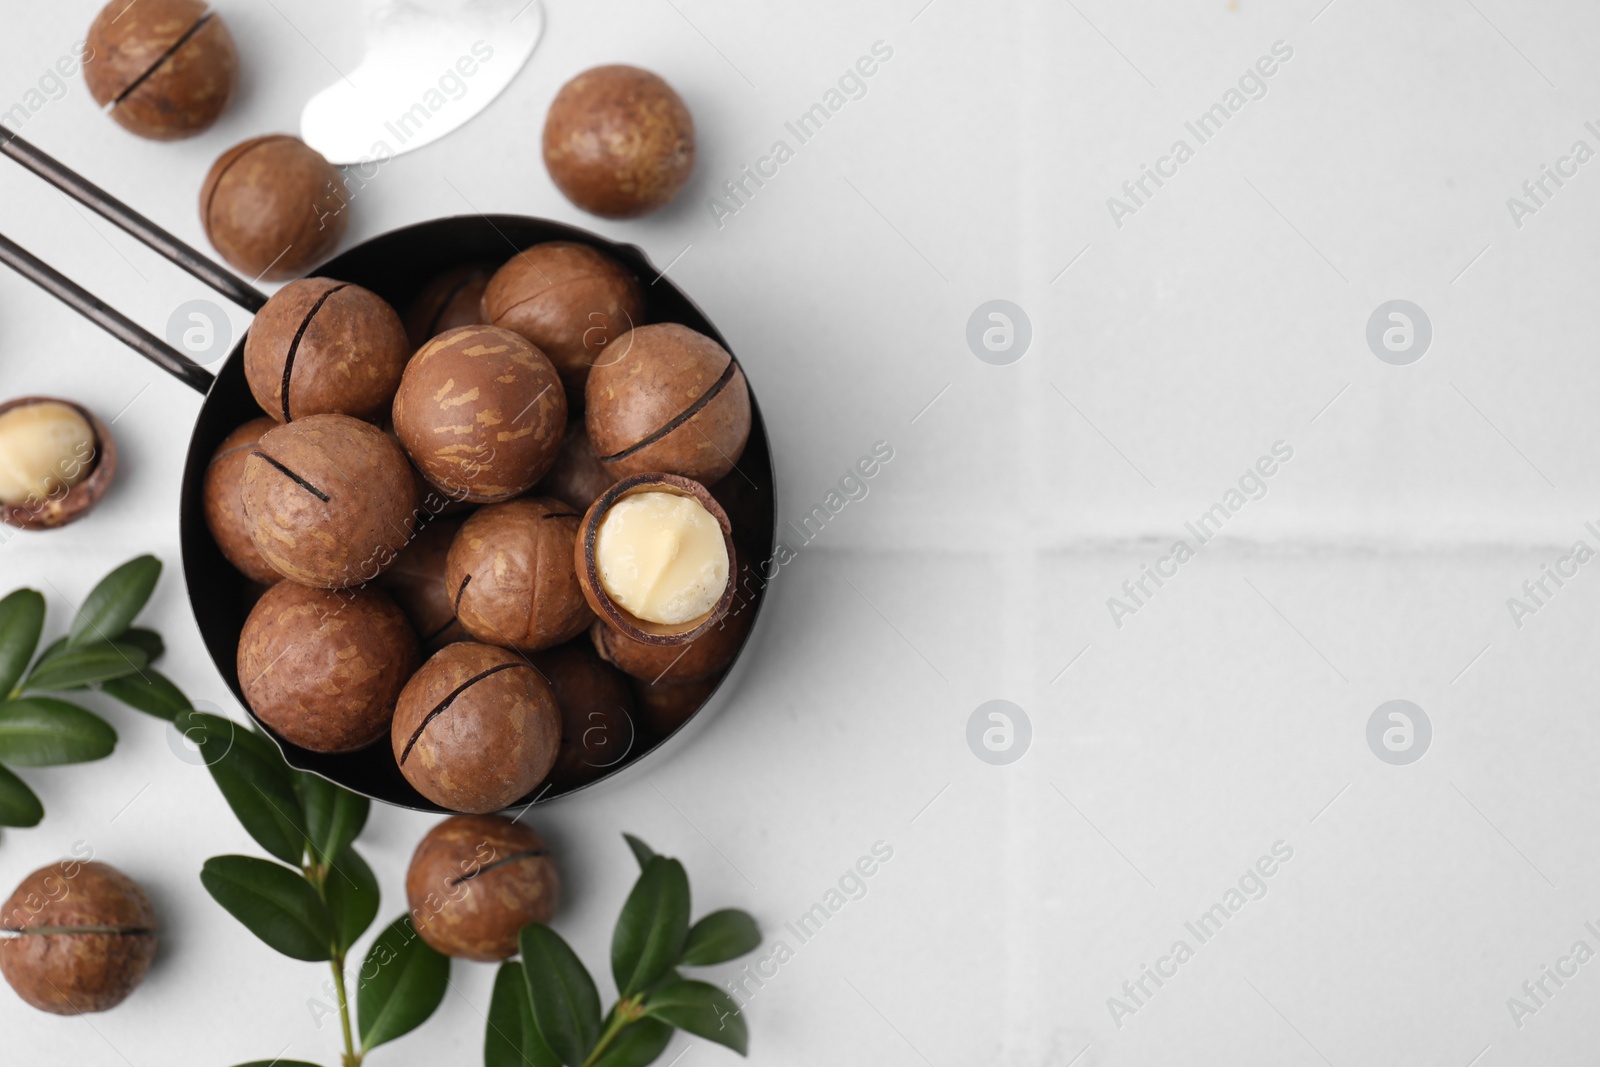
[[78, 937], [323, 669], [667, 399], [166, 69], [454, 298], [618, 141], [570, 301], [475, 881], [223, 502], [481, 413], [476, 728], [511, 574], [330, 499], [596, 703], [56, 461], [322, 346], [662, 556], [417, 583], [273, 207]]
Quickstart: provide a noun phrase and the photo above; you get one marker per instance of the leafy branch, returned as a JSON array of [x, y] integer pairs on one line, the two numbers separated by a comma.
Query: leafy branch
[[322, 897], [545, 1011], [102, 649]]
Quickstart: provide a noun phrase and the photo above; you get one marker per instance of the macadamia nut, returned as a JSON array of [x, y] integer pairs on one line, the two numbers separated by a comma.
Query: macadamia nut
[[662, 557], [44, 449]]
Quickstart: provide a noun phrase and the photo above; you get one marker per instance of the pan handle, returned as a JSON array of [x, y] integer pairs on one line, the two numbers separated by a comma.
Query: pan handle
[[115, 211], [103, 315]]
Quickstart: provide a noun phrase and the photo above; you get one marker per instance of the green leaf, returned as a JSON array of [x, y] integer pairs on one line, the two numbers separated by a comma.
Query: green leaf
[[653, 926], [254, 780], [719, 937], [149, 691], [641, 851], [334, 816], [638, 1044], [512, 1037], [703, 1010], [402, 982], [111, 605], [275, 903], [148, 641], [21, 620], [352, 893], [41, 732], [566, 1006], [18, 805], [76, 667]]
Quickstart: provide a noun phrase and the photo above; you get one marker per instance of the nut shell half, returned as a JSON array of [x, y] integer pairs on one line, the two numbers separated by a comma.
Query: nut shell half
[[62, 508], [476, 728], [475, 881], [594, 590], [323, 669], [706, 655], [86, 936], [667, 398]]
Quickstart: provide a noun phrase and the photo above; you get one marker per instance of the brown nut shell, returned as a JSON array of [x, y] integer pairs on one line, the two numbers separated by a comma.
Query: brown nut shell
[[511, 577], [481, 413], [594, 590], [576, 479], [570, 301], [475, 881], [454, 298], [167, 69], [665, 706], [59, 509], [476, 728], [330, 499], [85, 937], [273, 207], [597, 712], [323, 669], [222, 495], [618, 141], [417, 583], [667, 398], [706, 655], [334, 346]]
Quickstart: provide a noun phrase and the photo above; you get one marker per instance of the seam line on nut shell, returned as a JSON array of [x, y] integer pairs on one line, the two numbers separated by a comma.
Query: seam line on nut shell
[[515, 857], [461, 593], [234, 162], [448, 700], [682, 417], [294, 345], [292, 476], [162, 60]]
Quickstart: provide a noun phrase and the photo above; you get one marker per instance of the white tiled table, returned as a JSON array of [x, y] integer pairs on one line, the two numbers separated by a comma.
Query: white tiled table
[[1227, 313]]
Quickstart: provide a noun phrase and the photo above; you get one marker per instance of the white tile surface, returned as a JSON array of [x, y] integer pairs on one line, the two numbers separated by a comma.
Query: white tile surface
[[1225, 716]]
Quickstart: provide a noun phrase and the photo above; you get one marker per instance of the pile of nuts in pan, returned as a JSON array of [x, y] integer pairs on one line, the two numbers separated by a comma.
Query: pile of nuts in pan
[[499, 552]]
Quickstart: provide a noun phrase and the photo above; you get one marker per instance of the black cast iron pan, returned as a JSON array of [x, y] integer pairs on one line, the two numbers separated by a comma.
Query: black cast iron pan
[[395, 266]]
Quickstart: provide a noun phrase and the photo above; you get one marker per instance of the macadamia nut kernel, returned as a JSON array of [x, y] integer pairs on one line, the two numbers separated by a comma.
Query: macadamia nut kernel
[[45, 449], [662, 556]]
